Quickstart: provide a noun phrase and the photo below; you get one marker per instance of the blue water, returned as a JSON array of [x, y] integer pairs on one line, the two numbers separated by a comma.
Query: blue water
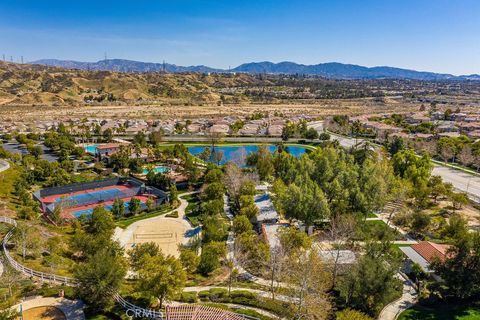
[[89, 211], [91, 149], [237, 154], [159, 169], [93, 196]]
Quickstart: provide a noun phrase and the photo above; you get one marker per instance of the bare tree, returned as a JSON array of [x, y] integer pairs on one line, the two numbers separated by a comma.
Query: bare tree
[[276, 267], [465, 156], [308, 286], [341, 230], [9, 278]]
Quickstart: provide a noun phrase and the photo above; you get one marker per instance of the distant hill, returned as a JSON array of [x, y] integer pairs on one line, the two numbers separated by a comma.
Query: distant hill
[[331, 70], [121, 65]]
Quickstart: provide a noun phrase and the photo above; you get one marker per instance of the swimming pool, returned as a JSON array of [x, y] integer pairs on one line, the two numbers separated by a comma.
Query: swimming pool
[[91, 149], [238, 154], [157, 169]]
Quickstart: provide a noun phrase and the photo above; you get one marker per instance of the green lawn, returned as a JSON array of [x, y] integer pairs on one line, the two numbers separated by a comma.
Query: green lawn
[[442, 312], [190, 212], [123, 223]]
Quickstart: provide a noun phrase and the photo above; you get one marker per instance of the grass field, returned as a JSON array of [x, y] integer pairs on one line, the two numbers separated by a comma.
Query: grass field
[[442, 312]]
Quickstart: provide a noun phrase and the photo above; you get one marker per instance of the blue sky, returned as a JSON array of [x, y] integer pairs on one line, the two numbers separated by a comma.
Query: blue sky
[[432, 35]]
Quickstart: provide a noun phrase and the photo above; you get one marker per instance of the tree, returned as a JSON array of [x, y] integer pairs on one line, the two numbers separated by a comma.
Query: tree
[[309, 283], [460, 269], [134, 205], [241, 224], [341, 230], [420, 222], [140, 251], [371, 282], [173, 193], [190, 260], [140, 139], [102, 223], [459, 199], [100, 275], [26, 239], [264, 163], [213, 191], [396, 145], [107, 135], [118, 208], [157, 136], [456, 227], [311, 134], [350, 314], [212, 252], [161, 277], [324, 136]]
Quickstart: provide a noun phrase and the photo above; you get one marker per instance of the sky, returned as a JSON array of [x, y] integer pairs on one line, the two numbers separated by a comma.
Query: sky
[[427, 35]]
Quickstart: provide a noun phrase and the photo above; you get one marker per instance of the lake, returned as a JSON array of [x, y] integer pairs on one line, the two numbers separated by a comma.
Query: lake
[[237, 154]]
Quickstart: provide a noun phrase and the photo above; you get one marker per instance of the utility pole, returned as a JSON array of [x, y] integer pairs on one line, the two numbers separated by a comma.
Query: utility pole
[[105, 56], [11, 58], [3, 56], [22, 59]]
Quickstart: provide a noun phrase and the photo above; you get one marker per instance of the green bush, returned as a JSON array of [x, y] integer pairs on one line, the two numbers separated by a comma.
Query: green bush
[[174, 214], [188, 297], [218, 295]]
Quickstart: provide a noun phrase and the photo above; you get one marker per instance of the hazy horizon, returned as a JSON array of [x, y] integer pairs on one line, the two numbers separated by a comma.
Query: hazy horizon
[[440, 36]]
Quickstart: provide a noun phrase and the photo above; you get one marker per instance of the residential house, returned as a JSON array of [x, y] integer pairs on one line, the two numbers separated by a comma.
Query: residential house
[[423, 254]]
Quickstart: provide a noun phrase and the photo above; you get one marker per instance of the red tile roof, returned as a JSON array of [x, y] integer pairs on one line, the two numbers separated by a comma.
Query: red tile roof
[[429, 250], [199, 312]]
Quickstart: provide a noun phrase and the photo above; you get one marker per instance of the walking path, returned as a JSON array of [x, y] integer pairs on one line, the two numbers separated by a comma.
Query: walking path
[[4, 165], [73, 310], [409, 297]]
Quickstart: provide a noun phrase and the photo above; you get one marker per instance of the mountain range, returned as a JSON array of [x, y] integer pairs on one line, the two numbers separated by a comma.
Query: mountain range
[[331, 70]]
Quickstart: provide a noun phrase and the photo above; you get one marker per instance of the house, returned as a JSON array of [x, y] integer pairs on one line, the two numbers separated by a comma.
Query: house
[[449, 134], [437, 115], [382, 129], [416, 118], [220, 128], [275, 130], [423, 254], [474, 134], [267, 212], [447, 128]]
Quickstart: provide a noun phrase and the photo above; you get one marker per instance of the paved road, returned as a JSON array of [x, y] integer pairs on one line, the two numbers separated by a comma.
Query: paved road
[[461, 180]]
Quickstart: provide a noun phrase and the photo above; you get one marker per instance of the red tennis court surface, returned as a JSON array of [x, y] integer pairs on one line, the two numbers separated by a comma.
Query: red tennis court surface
[[55, 197]]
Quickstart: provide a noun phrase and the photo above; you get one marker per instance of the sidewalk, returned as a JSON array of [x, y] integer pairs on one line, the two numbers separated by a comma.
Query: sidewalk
[[408, 299]]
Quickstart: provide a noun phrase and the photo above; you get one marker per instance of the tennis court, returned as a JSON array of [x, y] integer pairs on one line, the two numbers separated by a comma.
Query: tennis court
[[91, 195], [88, 210]]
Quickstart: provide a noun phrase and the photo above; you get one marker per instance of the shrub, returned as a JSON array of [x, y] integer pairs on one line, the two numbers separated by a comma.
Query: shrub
[[188, 297], [174, 214]]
